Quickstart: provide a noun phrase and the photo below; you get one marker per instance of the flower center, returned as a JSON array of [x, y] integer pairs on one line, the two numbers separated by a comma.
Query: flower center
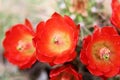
[[60, 42], [57, 40], [104, 53], [25, 46]]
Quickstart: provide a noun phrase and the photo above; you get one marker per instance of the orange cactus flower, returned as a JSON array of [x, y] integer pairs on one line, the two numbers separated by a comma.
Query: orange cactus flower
[[18, 44], [100, 52], [66, 72], [56, 40]]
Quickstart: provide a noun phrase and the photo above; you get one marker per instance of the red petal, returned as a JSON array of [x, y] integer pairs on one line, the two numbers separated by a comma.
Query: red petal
[[95, 72], [76, 75], [42, 58], [30, 62], [115, 4], [22, 61], [72, 56], [28, 24], [115, 19], [109, 30], [56, 15], [55, 73], [40, 28], [114, 71], [83, 57], [103, 66], [97, 31], [86, 40], [70, 22], [64, 57], [115, 56]]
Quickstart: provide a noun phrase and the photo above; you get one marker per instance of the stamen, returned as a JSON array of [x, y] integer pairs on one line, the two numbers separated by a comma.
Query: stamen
[[21, 46], [104, 53], [57, 40]]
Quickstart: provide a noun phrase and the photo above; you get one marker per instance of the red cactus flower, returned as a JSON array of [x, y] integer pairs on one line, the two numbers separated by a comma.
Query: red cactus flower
[[115, 17], [56, 40], [65, 73], [19, 48], [100, 52]]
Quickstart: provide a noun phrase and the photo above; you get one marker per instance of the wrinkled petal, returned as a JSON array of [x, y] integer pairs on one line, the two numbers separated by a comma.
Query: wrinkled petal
[[64, 58]]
